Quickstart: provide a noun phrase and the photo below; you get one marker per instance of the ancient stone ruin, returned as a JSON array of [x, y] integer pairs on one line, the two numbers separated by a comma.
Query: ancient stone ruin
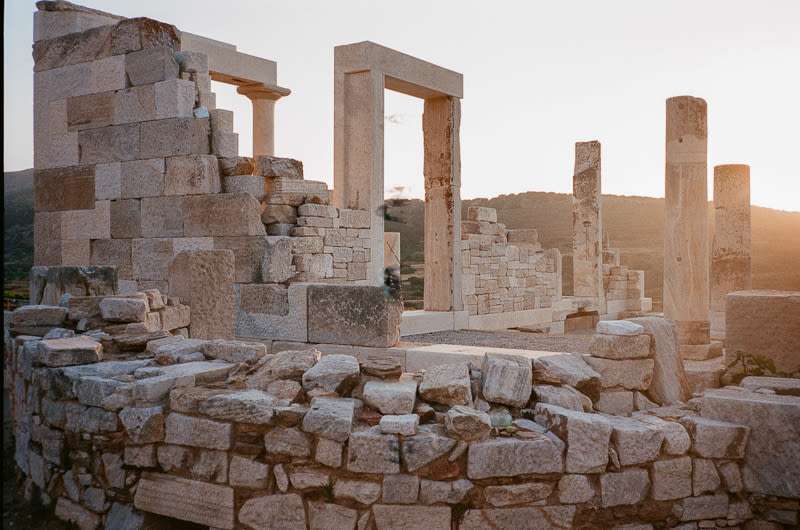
[[214, 340]]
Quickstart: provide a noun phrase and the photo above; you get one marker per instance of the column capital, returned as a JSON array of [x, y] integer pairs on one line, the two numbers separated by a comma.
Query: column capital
[[262, 91]]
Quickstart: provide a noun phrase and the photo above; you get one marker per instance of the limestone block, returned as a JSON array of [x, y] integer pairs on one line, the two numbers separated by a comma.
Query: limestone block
[[276, 263], [635, 442], [360, 491], [252, 184], [705, 478], [203, 279], [482, 213], [186, 500], [143, 424], [191, 175], [587, 437], [676, 439], [317, 210], [448, 492], [620, 328], [120, 309], [627, 487], [447, 384], [224, 214], [278, 213], [575, 489], [672, 479], [633, 374], [466, 423], [197, 432], [391, 397], [151, 258], [400, 489], [142, 178], [765, 325], [704, 507], [358, 315], [94, 223], [91, 111], [567, 369], [272, 166], [69, 351], [371, 451], [619, 347], [126, 219], [275, 511], [323, 516], [151, 65], [233, 351], [405, 424], [224, 144], [53, 24], [124, 516], [109, 144], [524, 493], [509, 457], [132, 34], [669, 384], [248, 473], [161, 217], [245, 406], [411, 517], [58, 189], [617, 402], [174, 99], [354, 218], [716, 439], [174, 137], [523, 236], [333, 373], [328, 452], [78, 79], [272, 311], [37, 318], [779, 385], [506, 379], [237, 166], [562, 396], [248, 253], [770, 464], [330, 418]]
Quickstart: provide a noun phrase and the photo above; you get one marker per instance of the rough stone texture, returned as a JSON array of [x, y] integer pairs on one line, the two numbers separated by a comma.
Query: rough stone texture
[[575, 489], [429, 444], [672, 479], [705, 478], [587, 226], [716, 439], [771, 466], [506, 379], [508, 457], [624, 488], [566, 369], [358, 315], [447, 384], [197, 432], [561, 396], [203, 279], [391, 397], [143, 425], [669, 384], [405, 424], [187, 500], [517, 493], [388, 517], [617, 402], [330, 418], [522, 517], [466, 423], [633, 374], [245, 406], [620, 346], [48, 284], [333, 373], [587, 437], [123, 309], [360, 491], [635, 442], [704, 507], [274, 511], [37, 319], [371, 451], [248, 473], [765, 325], [69, 351], [324, 516], [234, 351], [288, 442], [620, 328], [400, 489]]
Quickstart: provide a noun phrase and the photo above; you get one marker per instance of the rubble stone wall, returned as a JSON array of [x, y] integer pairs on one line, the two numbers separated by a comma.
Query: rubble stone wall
[[624, 287], [223, 434]]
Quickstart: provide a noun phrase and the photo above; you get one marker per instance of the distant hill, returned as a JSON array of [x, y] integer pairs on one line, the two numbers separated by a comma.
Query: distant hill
[[635, 225]]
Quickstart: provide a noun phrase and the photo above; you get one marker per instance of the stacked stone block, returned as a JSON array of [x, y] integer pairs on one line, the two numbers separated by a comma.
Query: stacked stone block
[[623, 287], [505, 270], [221, 434]]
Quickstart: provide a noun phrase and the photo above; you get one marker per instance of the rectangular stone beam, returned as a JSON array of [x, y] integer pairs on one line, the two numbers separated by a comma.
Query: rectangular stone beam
[[228, 65]]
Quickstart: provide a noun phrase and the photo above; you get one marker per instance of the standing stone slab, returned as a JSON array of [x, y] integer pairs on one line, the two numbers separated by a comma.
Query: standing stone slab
[[360, 315], [507, 379], [186, 500], [203, 279], [509, 457], [669, 384]]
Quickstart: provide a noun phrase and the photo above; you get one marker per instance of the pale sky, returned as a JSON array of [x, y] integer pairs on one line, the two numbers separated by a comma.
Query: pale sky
[[538, 76]]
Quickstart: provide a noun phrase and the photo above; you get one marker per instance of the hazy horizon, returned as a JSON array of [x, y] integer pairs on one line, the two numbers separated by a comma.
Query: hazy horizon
[[536, 81]]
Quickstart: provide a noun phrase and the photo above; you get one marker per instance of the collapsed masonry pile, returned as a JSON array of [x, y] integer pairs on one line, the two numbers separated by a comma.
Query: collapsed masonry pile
[[505, 270], [222, 434]]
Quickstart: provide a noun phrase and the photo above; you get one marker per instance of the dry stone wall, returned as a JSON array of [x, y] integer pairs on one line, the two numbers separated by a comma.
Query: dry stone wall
[[226, 435]]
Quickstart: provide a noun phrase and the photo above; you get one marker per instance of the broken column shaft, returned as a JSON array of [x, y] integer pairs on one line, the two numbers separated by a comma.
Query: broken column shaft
[[730, 252], [587, 226], [686, 224]]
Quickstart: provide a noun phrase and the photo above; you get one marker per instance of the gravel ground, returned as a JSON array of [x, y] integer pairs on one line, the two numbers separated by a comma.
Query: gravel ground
[[574, 342]]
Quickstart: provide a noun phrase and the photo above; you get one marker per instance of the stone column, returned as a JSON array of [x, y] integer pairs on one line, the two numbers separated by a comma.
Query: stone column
[[730, 251], [587, 224], [686, 225], [263, 99], [358, 154], [441, 122]]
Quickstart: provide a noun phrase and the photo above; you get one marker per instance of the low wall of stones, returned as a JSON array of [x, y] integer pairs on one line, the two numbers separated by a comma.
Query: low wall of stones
[[222, 434], [624, 287], [505, 270]]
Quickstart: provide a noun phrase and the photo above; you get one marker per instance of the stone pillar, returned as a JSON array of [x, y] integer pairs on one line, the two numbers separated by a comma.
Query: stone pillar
[[730, 251], [686, 225], [587, 224], [358, 154], [263, 99], [441, 121]]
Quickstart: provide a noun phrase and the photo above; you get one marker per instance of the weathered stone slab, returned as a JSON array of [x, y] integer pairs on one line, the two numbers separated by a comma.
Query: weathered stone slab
[[390, 517], [174, 137], [70, 351], [672, 479], [288, 441], [191, 175], [632, 374], [371, 451], [222, 214], [509, 457], [620, 346], [466, 423], [359, 315], [405, 424], [515, 518], [575, 489], [506, 379], [587, 437], [360, 491], [333, 373], [234, 351], [623, 328], [669, 384], [36, 319], [144, 425], [627, 487], [245, 406], [566, 369], [197, 432], [118, 309], [64, 188], [248, 473], [391, 397], [448, 384], [716, 439], [703, 507], [203, 279], [330, 418], [561, 396], [273, 166], [325, 516], [635, 442], [427, 445], [186, 500], [676, 439], [151, 65], [517, 493], [771, 466], [49, 284]]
